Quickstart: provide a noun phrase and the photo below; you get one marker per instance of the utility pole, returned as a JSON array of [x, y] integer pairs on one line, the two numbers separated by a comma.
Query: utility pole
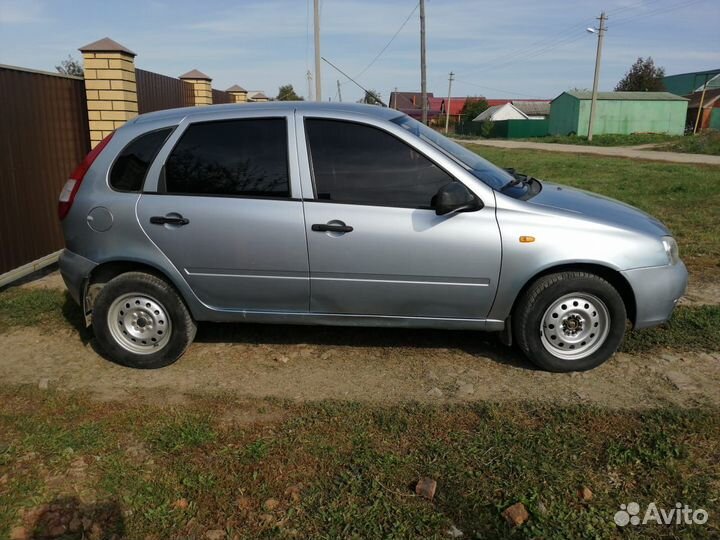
[[309, 86], [423, 74], [596, 79], [316, 27], [339, 91], [698, 118], [447, 103]]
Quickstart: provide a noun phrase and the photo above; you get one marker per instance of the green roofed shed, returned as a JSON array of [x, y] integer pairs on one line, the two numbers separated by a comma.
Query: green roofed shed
[[618, 113]]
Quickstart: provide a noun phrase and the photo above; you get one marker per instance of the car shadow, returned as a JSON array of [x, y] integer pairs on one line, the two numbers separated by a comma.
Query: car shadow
[[72, 313], [476, 343], [481, 344]]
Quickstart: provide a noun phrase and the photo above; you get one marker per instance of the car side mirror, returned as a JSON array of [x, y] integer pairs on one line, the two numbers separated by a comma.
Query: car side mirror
[[455, 197]]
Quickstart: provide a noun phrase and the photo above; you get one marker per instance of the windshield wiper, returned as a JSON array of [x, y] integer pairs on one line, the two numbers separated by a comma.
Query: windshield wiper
[[518, 179]]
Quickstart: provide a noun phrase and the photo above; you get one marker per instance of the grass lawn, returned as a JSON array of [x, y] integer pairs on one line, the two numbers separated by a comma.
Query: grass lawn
[[704, 143], [270, 469], [685, 197]]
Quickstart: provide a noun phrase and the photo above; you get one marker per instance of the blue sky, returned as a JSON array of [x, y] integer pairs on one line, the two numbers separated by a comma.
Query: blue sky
[[514, 49]]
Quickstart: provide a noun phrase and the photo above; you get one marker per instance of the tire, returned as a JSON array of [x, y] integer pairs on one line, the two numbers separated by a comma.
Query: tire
[[140, 321], [569, 321]]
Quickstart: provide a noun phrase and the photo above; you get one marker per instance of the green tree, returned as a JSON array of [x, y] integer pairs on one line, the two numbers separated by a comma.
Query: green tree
[[287, 93], [486, 128], [643, 76], [473, 107], [70, 66]]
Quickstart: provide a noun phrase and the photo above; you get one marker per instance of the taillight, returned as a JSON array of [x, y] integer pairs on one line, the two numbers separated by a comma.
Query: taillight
[[71, 187]]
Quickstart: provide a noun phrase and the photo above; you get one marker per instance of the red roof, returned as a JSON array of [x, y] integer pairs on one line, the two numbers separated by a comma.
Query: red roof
[[456, 104], [435, 104], [496, 102]]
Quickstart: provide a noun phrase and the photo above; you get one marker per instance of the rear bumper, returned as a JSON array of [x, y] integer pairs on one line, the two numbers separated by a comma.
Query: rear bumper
[[657, 291], [75, 270]]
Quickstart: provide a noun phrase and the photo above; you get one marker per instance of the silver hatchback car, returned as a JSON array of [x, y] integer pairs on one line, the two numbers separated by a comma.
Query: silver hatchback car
[[305, 213]]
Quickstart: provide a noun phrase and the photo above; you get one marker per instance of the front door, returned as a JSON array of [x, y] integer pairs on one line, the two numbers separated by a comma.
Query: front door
[[375, 245], [225, 216]]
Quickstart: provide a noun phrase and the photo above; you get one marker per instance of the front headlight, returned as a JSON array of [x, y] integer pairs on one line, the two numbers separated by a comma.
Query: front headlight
[[671, 249]]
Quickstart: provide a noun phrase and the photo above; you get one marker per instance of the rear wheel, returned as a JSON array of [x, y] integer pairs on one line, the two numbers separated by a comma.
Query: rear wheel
[[569, 321], [140, 321]]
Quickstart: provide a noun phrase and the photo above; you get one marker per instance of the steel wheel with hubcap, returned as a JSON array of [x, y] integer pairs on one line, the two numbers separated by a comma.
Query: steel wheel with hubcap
[[139, 323], [569, 321], [575, 326]]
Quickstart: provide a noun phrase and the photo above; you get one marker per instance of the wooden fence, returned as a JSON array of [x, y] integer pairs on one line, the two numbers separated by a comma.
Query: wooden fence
[[43, 136]]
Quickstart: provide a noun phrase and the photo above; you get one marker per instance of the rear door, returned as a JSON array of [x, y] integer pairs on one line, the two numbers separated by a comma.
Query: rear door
[[227, 213], [376, 247]]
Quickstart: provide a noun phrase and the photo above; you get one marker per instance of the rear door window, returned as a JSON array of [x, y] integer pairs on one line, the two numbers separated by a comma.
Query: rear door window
[[131, 166], [241, 158]]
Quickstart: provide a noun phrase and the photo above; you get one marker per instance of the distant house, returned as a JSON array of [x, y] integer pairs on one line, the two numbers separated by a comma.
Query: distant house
[[535, 109], [618, 112], [497, 113], [411, 104], [457, 104], [710, 116], [494, 102], [687, 83]]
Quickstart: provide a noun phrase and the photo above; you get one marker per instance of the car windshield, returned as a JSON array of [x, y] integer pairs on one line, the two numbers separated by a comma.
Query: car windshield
[[493, 176]]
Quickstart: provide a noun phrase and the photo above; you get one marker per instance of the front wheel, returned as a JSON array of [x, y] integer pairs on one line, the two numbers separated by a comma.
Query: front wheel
[[569, 321], [140, 321]]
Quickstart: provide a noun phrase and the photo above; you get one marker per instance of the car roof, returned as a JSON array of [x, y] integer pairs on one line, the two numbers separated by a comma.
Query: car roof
[[275, 106]]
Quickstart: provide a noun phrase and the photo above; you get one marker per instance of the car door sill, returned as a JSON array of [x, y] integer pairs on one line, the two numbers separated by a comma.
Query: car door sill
[[341, 319]]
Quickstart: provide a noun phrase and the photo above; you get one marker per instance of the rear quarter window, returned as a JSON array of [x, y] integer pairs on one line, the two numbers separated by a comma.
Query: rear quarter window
[[132, 164], [231, 158]]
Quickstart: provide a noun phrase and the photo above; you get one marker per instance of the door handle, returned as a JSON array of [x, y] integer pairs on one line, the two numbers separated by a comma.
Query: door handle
[[169, 220], [331, 227]]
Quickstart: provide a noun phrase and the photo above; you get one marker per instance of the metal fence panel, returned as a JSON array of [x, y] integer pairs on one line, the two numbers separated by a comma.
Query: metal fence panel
[[157, 92], [43, 136], [219, 96]]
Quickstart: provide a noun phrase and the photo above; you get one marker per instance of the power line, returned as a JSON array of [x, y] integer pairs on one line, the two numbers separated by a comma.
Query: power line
[[568, 36], [388, 43], [657, 11], [367, 92], [563, 34]]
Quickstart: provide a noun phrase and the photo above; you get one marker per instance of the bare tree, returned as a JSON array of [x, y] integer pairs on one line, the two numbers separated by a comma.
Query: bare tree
[[70, 66]]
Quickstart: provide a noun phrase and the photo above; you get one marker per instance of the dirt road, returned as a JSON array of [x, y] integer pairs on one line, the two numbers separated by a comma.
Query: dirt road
[[365, 364], [306, 363]]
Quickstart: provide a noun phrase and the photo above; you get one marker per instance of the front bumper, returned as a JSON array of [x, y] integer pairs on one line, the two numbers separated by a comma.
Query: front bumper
[[75, 270], [657, 291]]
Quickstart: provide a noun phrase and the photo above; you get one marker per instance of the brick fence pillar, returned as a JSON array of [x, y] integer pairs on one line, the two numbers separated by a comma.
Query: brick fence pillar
[[110, 86], [202, 86], [238, 93]]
